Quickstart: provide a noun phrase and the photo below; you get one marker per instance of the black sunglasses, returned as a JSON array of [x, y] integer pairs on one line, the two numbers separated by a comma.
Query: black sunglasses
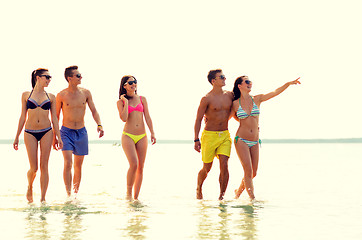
[[247, 81], [78, 75], [46, 76], [131, 82], [222, 77]]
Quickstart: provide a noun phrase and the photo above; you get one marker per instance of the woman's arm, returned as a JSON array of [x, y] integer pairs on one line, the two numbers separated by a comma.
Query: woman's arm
[[57, 141], [122, 106], [21, 120], [265, 97], [148, 119]]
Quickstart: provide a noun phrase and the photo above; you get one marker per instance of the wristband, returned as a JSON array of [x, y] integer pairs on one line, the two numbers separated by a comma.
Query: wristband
[[197, 140]]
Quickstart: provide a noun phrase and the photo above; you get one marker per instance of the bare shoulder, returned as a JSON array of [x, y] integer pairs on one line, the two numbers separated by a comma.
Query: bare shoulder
[[84, 91], [25, 94], [257, 98], [206, 99], [51, 96], [62, 93], [143, 98], [229, 94]]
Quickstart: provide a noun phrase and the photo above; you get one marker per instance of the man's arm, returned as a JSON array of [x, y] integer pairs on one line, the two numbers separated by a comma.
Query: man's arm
[[199, 116], [58, 107], [95, 113]]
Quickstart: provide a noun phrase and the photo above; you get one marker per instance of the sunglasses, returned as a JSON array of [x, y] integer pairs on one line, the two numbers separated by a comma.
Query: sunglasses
[[222, 77], [247, 81], [46, 76], [131, 82], [78, 75]]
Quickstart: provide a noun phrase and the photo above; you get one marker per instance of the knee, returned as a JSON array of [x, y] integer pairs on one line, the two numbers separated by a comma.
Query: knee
[[254, 174], [133, 166], [68, 166], [140, 168], [248, 173], [33, 169]]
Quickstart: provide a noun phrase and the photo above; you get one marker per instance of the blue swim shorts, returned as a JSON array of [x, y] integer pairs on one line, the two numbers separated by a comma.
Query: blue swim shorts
[[75, 140]]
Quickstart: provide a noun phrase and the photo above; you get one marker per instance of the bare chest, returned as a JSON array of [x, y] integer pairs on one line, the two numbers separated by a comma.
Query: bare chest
[[74, 101]]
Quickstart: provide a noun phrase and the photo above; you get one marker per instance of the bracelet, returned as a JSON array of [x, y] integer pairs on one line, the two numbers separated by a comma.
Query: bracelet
[[197, 140], [99, 125]]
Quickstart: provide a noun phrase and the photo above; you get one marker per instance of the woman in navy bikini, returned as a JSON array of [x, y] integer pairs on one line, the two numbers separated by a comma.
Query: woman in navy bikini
[[246, 111], [132, 109], [35, 106]]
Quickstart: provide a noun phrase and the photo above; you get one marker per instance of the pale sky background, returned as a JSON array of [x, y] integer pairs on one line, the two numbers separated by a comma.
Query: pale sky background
[[170, 46]]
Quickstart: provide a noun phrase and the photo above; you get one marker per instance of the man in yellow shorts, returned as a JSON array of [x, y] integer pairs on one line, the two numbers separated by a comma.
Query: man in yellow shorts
[[215, 106]]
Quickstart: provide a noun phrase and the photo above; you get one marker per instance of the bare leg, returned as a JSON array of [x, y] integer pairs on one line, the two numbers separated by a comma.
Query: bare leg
[[254, 153], [244, 155], [224, 175], [201, 178], [240, 190], [45, 148], [78, 162], [129, 149], [67, 173], [141, 148], [32, 148]]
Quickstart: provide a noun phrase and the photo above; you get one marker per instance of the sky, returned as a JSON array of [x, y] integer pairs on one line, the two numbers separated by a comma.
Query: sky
[[170, 46]]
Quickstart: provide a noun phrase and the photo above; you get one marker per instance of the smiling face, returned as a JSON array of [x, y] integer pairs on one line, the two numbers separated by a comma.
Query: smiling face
[[131, 85], [44, 79], [219, 79], [75, 78], [246, 84]]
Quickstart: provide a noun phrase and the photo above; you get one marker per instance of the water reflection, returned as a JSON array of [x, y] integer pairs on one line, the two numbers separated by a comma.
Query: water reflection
[[227, 221], [73, 221], [247, 221], [37, 225], [136, 227]]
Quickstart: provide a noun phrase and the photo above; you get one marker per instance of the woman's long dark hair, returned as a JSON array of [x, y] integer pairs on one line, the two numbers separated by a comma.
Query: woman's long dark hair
[[37, 72], [122, 90], [236, 89]]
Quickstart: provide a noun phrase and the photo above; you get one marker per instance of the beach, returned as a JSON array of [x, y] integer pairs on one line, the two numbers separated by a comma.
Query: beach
[[303, 191]]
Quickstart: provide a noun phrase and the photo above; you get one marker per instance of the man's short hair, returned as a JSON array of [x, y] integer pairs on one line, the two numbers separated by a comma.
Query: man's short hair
[[69, 71], [212, 74]]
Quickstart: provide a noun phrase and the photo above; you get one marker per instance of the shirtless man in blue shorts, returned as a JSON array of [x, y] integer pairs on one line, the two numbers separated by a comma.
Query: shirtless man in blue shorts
[[215, 106], [72, 101]]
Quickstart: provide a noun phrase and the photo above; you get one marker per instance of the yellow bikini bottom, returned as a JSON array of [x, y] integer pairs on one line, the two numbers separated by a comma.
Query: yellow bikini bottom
[[135, 138]]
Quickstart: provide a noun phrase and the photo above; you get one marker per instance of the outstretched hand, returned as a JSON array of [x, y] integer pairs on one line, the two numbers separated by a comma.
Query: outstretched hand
[[296, 81]]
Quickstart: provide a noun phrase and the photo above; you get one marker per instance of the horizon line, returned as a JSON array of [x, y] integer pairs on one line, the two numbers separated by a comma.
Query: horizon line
[[184, 141]]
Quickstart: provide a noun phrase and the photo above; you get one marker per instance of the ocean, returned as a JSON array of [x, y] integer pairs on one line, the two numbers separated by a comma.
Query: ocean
[[303, 191]]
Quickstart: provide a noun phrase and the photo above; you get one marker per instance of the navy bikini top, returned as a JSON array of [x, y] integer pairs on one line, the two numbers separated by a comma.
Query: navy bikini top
[[32, 104]]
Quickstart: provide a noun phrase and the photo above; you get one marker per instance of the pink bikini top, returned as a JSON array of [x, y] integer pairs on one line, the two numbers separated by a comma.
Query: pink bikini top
[[138, 108]]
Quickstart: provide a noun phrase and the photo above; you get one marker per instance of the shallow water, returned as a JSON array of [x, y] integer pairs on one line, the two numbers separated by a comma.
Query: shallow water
[[304, 191]]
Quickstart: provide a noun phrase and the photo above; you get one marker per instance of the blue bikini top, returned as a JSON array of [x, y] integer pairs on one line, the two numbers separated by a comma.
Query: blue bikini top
[[32, 104]]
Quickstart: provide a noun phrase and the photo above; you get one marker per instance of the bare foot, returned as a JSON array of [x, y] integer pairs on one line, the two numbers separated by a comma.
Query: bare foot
[[221, 197], [199, 194], [29, 194], [129, 197], [237, 193]]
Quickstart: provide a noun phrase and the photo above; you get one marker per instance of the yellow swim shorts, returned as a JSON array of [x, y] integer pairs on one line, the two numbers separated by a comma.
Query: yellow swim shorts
[[214, 143]]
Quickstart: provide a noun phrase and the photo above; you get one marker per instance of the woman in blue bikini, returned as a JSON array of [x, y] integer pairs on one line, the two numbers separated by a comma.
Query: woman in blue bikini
[[246, 111], [132, 109], [38, 130]]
